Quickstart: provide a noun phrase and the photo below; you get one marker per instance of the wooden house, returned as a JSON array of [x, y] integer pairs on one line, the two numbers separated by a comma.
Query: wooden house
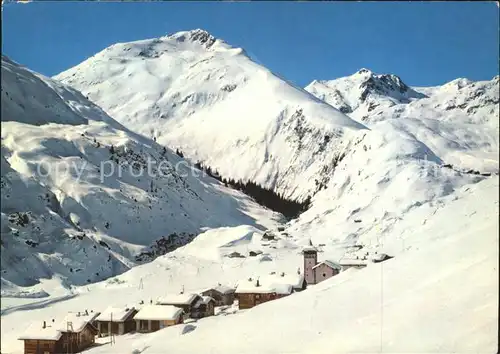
[[251, 292], [152, 318], [184, 301], [325, 270], [115, 320], [223, 295], [204, 307], [71, 335], [42, 337]]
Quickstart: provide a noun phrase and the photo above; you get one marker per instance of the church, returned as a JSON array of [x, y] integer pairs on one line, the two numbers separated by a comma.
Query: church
[[315, 272]]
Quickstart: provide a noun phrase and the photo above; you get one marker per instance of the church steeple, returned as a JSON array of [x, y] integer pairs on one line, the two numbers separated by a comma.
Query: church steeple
[[310, 260]]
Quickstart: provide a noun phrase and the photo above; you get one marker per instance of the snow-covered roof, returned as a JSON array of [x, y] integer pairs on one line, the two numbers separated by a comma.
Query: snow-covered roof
[[379, 257], [78, 320], [347, 262], [293, 279], [116, 314], [158, 312], [309, 249], [223, 289], [283, 289], [266, 285], [203, 301], [330, 264], [250, 286], [53, 329], [36, 331], [206, 299], [177, 299]]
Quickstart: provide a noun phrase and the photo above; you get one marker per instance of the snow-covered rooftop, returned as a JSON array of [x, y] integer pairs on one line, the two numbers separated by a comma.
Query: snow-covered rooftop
[[265, 285], [330, 264], [116, 314], [293, 279], [78, 320], [310, 249], [177, 299], [346, 262], [158, 312], [282, 289], [253, 286], [203, 301], [53, 329], [36, 331], [223, 289], [206, 299]]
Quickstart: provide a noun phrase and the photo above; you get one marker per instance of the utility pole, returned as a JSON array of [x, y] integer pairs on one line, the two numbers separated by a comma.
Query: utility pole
[[111, 336]]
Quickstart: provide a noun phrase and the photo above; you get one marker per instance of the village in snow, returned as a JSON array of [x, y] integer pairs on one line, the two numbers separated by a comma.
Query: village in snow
[[80, 330]]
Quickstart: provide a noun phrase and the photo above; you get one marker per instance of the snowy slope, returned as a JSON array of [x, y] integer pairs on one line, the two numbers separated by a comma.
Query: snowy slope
[[458, 121], [439, 293], [65, 216], [195, 92]]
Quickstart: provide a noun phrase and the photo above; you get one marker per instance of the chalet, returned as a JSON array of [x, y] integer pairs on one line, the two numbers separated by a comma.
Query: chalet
[[115, 320], [71, 335], [41, 337], [251, 292], [152, 318], [295, 280], [184, 301], [223, 295], [78, 331], [204, 307]]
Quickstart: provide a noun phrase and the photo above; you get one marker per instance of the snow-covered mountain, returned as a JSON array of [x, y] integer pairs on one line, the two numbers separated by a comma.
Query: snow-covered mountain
[[193, 91], [265, 130], [66, 215], [364, 91], [370, 97], [458, 120], [176, 88]]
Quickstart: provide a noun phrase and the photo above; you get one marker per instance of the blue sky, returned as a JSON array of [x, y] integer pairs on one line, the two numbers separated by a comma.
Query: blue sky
[[425, 43]]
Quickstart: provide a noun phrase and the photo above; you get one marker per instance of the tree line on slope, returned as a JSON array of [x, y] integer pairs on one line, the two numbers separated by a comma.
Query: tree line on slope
[[264, 196]]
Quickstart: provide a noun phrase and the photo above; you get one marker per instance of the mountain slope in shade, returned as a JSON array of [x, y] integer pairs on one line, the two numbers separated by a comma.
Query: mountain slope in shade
[[61, 220], [458, 120], [193, 91]]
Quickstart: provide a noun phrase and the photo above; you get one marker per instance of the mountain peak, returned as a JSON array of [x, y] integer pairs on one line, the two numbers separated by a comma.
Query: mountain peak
[[197, 35], [364, 71]]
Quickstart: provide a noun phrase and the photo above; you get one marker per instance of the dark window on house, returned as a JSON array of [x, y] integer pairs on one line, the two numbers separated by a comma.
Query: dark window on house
[[324, 275]]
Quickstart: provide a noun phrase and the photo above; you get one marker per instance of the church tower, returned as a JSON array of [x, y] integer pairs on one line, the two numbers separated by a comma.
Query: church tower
[[310, 260]]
